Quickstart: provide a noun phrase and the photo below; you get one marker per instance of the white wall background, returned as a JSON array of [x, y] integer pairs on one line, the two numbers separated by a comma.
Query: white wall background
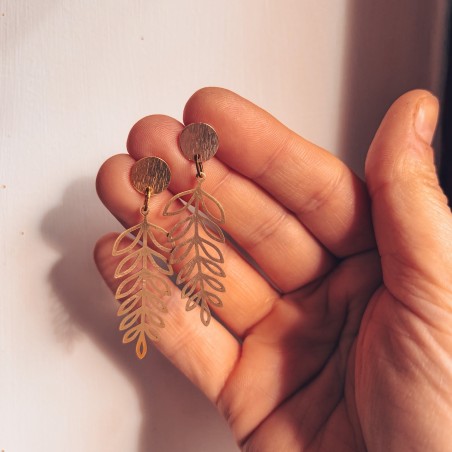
[[74, 76]]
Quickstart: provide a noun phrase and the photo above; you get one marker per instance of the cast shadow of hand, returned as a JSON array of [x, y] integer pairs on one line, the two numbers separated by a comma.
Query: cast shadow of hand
[[175, 416]]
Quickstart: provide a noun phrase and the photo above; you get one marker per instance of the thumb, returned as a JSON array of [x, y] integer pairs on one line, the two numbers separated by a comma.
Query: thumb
[[413, 223]]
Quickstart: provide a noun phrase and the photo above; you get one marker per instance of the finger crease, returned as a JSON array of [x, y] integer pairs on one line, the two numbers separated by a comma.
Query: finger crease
[[266, 229], [224, 179], [319, 199], [275, 155]]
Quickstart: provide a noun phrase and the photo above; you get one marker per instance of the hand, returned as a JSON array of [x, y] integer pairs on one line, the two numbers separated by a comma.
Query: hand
[[349, 348]]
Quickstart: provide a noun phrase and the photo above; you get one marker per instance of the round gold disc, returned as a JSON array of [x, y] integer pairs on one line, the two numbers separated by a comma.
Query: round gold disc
[[198, 139], [151, 172]]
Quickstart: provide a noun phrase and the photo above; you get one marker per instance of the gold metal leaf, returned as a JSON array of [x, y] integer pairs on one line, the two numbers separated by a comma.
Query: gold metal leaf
[[181, 228], [185, 206], [212, 230], [189, 289], [131, 335], [185, 271], [201, 272], [130, 262], [213, 267], [210, 250], [219, 216], [141, 346], [205, 313], [117, 251], [129, 320], [214, 283], [127, 305], [181, 250], [213, 299], [142, 291]]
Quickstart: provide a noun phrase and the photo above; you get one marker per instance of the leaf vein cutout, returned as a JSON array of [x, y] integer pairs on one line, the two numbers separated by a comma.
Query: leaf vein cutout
[[199, 275], [144, 286]]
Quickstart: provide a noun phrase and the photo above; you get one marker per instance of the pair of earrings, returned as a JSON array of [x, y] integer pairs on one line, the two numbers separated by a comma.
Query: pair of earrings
[[188, 249]]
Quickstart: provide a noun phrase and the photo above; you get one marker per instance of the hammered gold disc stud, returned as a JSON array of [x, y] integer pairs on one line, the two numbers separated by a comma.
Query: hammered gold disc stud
[[198, 140], [150, 173]]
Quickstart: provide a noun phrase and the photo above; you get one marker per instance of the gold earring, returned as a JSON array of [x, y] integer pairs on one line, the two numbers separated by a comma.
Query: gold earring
[[195, 233], [143, 290]]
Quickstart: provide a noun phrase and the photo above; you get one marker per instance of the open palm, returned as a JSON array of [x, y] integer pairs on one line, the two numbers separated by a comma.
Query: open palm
[[338, 336]]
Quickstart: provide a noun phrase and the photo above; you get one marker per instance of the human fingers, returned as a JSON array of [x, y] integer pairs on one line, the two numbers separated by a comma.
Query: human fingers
[[248, 296], [317, 187], [412, 219], [187, 343], [283, 248]]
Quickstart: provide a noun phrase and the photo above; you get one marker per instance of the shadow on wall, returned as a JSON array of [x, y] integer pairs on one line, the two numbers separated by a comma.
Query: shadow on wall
[[391, 47], [169, 403]]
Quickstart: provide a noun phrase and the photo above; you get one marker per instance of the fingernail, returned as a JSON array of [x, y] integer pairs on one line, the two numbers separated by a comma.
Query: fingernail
[[426, 117]]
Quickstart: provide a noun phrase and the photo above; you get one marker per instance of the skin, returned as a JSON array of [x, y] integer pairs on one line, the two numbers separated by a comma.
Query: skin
[[345, 344]]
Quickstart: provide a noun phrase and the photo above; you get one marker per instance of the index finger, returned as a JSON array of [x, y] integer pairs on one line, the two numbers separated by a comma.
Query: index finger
[[328, 198]]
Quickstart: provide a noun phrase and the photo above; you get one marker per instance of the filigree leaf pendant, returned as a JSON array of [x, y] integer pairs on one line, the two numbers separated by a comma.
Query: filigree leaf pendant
[[195, 235], [145, 266]]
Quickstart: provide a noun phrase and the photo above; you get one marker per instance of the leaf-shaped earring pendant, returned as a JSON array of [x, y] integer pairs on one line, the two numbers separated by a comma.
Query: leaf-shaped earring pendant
[[145, 265], [196, 233]]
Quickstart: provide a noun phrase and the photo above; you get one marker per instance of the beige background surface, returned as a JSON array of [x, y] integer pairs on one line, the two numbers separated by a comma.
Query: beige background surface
[[74, 76]]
